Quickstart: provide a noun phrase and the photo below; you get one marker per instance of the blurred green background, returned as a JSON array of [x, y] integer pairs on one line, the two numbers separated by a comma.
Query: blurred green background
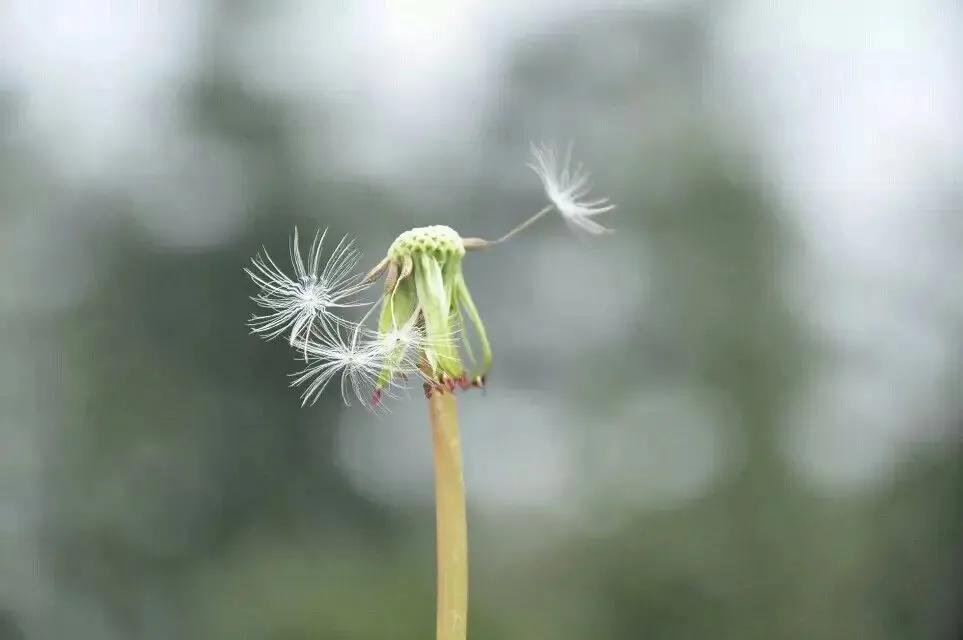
[[737, 418]]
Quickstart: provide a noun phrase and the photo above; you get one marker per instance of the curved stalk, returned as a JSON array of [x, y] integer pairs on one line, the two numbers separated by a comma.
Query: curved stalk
[[452, 526], [535, 218]]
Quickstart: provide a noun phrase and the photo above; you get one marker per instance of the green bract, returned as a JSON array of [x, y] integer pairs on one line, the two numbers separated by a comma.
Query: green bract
[[425, 289]]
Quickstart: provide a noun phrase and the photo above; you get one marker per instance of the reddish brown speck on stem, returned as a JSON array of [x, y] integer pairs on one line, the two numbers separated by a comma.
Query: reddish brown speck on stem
[[447, 384]]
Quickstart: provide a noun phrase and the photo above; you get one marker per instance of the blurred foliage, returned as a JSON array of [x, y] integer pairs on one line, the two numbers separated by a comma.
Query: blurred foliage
[[186, 494]]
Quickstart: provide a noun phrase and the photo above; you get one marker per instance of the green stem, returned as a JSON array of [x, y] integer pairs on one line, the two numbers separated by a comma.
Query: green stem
[[451, 522]]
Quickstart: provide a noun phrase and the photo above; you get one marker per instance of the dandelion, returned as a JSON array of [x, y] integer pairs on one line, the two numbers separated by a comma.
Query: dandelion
[[313, 293], [420, 334], [568, 188]]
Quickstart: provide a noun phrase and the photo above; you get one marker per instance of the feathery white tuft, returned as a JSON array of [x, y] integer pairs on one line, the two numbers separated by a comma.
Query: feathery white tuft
[[568, 188], [358, 362], [294, 303], [409, 342], [371, 367]]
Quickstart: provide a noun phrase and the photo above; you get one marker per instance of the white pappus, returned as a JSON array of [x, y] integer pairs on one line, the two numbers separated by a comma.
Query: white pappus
[[568, 189], [313, 293]]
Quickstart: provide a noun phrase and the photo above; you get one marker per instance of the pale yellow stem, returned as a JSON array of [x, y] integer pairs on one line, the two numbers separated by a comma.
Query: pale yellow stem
[[452, 526]]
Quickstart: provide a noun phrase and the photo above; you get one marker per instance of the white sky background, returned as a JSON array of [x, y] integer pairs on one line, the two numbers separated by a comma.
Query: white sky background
[[857, 107]]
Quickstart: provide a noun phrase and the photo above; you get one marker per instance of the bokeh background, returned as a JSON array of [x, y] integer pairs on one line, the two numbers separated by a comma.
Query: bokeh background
[[739, 417]]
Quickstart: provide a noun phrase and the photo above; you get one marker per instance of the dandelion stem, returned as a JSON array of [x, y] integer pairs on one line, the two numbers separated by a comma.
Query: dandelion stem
[[452, 527], [525, 224]]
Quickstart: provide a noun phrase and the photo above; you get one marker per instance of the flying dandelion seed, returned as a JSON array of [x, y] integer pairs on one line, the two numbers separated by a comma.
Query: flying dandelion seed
[[372, 366], [568, 188], [313, 293], [332, 354]]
